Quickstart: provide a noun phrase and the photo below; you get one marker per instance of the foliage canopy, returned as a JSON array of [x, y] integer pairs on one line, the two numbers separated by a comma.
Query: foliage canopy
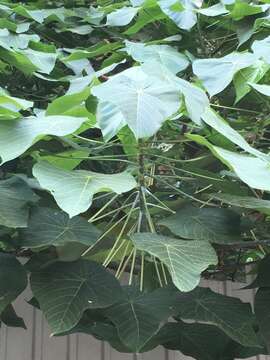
[[134, 139]]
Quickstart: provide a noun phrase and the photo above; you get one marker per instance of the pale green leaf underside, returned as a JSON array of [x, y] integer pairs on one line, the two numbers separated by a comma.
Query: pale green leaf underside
[[73, 190], [185, 259], [144, 101], [18, 135]]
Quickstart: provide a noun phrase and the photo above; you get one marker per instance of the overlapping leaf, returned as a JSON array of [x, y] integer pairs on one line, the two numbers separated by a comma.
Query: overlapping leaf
[[185, 259], [52, 227], [13, 279], [73, 190], [212, 224], [18, 135], [65, 290], [230, 314]]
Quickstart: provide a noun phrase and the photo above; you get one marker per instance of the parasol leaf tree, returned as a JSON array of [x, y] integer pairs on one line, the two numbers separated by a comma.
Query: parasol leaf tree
[[134, 152]]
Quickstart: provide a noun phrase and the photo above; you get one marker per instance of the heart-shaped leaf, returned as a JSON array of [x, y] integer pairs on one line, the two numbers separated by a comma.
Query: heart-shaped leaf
[[18, 135], [212, 224], [65, 290], [52, 227], [185, 259], [230, 314], [73, 190]]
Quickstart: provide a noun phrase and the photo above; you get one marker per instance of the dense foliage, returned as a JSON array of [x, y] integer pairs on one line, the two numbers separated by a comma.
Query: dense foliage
[[134, 143]]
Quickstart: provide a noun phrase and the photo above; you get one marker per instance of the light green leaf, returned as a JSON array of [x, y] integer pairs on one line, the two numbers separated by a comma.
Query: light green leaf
[[10, 106], [211, 224], [63, 104], [73, 190], [48, 227], [15, 196], [11, 41], [65, 290], [214, 10], [43, 61], [67, 160], [244, 77], [242, 9], [229, 314], [211, 118], [261, 49], [185, 259], [109, 119], [13, 279], [18, 135], [122, 17], [195, 98], [253, 171], [182, 12], [164, 54], [263, 89], [145, 101], [209, 70]]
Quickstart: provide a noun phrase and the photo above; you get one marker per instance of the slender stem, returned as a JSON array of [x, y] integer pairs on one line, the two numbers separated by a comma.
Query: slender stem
[[125, 264], [122, 260], [132, 266], [110, 212], [142, 271], [234, 108], [108, 258], [103, 208]]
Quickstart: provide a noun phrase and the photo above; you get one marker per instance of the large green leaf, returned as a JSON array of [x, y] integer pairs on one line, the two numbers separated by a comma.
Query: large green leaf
[[212, 224], [164, 54], [262, 312], [196, 101], [145, 101], [211, 118], [121, 17], [13, 279], [261, 49], [263, 89], [18, 135], [52, 227], [244, 77], [253, 171], [138, 316], [185, 259], [203, 342], [209, 70], [230, 314], [246, 202], [65, 290], [182, 12], [73, 190], [15, 196], [250, 169], [10, 106], [110, 119]]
